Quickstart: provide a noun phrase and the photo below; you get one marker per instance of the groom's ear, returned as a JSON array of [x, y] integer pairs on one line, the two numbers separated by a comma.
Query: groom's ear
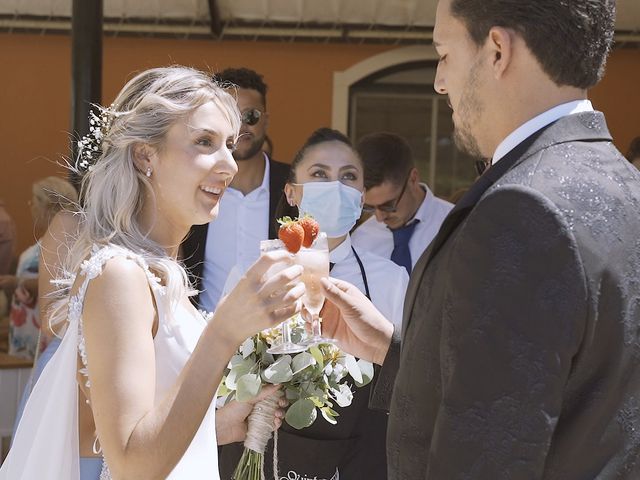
[[500, 42]]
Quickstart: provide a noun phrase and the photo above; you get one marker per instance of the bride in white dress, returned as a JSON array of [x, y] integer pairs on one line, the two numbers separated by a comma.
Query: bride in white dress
[[130, 391]]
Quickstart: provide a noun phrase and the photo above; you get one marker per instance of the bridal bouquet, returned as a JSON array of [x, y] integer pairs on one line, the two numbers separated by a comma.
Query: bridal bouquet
[[312, 381]]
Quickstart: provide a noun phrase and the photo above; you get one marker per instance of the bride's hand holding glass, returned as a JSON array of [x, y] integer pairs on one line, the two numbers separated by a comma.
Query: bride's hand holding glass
[[268, 294]]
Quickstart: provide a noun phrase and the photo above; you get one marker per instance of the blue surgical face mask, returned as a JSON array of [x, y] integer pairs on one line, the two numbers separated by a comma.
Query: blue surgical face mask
[[335, 206]]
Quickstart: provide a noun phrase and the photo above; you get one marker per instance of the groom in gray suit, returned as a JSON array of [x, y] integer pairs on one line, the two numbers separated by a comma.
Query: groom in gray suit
[[520, 349]]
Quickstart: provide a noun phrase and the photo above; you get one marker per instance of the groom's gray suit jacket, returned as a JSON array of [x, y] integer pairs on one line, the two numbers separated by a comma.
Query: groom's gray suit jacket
[[520, 354]]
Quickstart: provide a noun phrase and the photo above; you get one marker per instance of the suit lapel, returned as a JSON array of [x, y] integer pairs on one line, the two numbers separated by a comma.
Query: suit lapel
[[458, 214], [586, 127]]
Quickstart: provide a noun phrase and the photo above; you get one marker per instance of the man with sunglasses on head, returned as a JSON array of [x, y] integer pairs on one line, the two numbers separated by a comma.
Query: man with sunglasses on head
[[247, 208], [405, 215]]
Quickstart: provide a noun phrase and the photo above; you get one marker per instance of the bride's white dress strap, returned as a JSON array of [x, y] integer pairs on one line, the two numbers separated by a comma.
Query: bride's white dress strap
[[45, 445], [91, 269]]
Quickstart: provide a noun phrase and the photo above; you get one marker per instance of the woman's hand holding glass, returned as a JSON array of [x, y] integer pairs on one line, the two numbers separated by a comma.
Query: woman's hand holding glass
[[269, 293], [285, 344]]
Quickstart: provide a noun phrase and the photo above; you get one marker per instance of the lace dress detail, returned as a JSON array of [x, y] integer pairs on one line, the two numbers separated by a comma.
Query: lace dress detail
[[91, 269], [174, 342], [46, 444]]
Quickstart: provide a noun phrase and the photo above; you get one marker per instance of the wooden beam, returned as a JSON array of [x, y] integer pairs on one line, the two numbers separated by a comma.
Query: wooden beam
[[216, 19], [86, 64]]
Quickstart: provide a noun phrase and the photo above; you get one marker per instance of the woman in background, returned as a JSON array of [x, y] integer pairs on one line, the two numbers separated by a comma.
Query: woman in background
[[327, 182], [50, 195]]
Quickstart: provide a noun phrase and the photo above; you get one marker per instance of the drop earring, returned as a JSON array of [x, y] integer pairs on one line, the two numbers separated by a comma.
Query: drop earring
[[148, 172]]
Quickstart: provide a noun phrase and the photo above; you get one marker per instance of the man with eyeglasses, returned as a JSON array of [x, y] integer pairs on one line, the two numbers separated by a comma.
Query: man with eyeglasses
[[247, 208], [405, 215]]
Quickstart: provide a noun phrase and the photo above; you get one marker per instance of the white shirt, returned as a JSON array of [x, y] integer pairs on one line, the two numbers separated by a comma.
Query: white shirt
[[234, 238], [536, 123], [375, 237], [387, 281]]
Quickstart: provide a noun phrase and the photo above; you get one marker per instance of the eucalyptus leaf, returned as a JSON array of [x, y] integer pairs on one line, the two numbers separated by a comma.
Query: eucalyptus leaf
[[247, 347], [236, 372], [301, 414], [331, 382], [222, 389], [317, 354], [366, 368], [326, 413], [235, 360], [353, 367], [279, 371], [248, 387], [302, 361], [292, 394], [266, 358]]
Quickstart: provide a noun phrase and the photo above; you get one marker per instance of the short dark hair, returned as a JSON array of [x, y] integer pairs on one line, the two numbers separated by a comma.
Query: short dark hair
[[634, 150], [386, 157], [570, 38], [243, 78]]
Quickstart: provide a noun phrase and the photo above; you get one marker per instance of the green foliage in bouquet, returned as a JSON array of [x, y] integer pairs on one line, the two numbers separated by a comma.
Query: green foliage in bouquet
[[313, 381]]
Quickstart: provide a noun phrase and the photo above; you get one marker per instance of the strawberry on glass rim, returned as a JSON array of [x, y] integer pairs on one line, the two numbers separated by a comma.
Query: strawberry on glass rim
[[298, 233]]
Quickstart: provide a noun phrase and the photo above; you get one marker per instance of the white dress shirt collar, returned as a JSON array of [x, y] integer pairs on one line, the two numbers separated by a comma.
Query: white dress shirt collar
[[263, 187], [536, 123], [265, 178], [341, 252], [423, 214]]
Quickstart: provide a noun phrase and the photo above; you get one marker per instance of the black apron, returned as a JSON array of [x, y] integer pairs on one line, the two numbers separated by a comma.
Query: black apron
[[353, 449]]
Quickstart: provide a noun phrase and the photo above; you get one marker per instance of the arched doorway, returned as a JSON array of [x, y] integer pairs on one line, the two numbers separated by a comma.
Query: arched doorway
[[394, 92]]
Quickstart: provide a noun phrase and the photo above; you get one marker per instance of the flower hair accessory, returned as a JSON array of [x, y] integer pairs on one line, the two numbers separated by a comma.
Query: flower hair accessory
[[90, 145]]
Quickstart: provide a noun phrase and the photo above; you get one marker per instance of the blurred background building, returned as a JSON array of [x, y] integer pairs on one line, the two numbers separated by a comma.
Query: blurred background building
[[356, 65]]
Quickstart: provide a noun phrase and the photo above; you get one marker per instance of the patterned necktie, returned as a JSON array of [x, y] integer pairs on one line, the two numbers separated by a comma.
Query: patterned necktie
[[401, 253]]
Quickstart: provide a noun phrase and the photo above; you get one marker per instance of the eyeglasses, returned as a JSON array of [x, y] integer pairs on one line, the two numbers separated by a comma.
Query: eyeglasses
[[388, 207], [251, 117]]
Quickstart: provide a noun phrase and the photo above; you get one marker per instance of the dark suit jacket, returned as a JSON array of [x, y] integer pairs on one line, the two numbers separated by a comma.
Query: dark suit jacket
[[521, 342], [193, 247]]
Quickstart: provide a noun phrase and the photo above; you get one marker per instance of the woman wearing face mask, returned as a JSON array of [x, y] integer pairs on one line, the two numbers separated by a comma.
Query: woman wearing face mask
[[326, 181]]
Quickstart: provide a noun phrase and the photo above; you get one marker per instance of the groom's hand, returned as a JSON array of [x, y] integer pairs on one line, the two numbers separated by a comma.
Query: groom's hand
[[350, 317]]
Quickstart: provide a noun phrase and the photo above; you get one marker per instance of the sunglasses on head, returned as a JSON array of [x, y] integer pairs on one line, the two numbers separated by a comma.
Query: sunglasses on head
[[251, 117]]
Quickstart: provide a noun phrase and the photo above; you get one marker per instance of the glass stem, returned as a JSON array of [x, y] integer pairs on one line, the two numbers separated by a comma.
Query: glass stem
[[317, 329], [286, 332]]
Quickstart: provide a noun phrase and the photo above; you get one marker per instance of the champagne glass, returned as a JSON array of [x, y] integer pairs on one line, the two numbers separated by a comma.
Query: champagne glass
[[285, 345], [315, 261]]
